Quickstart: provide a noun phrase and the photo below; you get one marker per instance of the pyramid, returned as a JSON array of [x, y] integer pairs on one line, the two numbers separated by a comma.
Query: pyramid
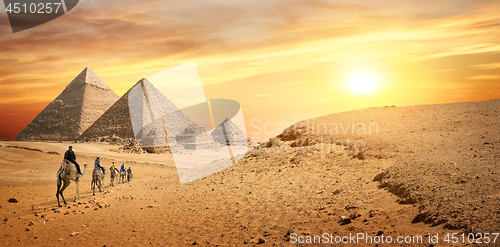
[[81, 103], [143, 113], [235, 135], [195, 137]]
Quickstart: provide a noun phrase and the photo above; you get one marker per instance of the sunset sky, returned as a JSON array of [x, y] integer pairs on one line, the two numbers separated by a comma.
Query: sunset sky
[[283, 61]]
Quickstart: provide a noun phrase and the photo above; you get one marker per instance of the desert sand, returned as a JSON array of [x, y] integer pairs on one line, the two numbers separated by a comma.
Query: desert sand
[[427, 170]]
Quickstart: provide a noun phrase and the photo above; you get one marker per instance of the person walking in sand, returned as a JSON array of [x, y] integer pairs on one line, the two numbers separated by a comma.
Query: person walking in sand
[[129, 174], [129, 171], [71, 157]]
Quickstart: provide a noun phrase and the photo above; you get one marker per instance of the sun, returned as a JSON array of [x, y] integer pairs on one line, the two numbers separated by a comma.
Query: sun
[[362, 82]]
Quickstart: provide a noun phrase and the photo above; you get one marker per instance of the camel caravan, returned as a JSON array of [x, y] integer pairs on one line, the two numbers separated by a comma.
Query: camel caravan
[[70, 171]]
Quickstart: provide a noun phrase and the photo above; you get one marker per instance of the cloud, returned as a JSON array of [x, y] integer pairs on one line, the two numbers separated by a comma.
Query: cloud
[[262, 95], [485, 77], [440, 71], [248, 35], [487, 66]]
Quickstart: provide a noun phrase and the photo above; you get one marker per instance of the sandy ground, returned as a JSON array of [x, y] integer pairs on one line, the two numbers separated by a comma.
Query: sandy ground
[[274, 195], [218, 210]]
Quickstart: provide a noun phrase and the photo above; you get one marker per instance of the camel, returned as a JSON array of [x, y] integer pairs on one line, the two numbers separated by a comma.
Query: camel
[[65, 174], [123, 175], [114, 173], [97, 178]]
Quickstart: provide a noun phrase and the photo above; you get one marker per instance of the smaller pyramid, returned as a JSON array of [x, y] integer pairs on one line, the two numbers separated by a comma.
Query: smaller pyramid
[[228, 131], [195, 137], [82, 102]]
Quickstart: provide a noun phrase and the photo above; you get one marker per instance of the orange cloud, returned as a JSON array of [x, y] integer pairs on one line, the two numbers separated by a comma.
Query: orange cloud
[[487, 66], [485, 77]]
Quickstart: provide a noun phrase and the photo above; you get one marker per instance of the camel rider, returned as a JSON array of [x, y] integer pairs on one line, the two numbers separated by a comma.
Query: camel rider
[[113, 167], [70, 156], [97, 163]]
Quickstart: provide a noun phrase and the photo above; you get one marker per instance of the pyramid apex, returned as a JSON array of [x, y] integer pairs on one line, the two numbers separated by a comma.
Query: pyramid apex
[[89, 77], [144, 82], [89, 71]]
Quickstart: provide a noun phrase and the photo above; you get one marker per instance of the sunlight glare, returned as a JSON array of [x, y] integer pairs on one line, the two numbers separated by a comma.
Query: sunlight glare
[[362, 82]]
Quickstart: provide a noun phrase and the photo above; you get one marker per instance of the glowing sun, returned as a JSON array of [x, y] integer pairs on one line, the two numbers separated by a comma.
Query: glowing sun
[[362, 82]]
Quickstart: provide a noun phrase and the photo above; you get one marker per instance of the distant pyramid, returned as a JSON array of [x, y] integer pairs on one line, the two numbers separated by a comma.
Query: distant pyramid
[[73, 111], [195, 137], [227, 129], [143, 114]]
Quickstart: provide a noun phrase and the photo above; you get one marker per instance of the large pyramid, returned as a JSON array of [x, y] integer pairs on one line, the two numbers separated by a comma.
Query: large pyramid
[[143, 114], [73, 111]]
